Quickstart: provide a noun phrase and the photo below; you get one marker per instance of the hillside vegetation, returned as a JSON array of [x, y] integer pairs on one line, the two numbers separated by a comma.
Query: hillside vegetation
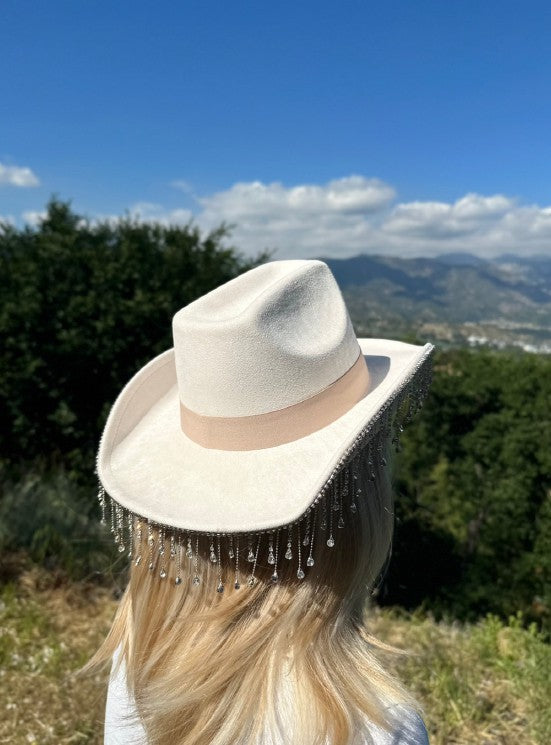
[[453, 298]]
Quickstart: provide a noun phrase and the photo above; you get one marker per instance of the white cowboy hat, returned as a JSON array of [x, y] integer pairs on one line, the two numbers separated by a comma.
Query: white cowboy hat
[[242, 426]]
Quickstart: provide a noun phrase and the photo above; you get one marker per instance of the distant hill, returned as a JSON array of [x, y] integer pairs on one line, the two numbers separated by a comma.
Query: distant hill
[[453, 299]]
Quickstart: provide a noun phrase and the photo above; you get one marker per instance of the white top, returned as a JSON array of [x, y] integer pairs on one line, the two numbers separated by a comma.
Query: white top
[[122, 727]]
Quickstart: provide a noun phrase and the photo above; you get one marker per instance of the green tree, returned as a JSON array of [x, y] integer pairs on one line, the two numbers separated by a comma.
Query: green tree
[[82, 307], [474, 489]]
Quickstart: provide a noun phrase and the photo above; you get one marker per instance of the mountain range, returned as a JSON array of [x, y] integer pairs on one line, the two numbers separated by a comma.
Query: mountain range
[[451, 299]]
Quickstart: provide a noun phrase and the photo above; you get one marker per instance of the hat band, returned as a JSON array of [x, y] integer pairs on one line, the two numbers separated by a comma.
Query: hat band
[[283, 425]]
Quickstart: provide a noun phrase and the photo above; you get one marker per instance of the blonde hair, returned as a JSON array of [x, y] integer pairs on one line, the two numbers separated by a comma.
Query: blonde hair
[[289, 661]]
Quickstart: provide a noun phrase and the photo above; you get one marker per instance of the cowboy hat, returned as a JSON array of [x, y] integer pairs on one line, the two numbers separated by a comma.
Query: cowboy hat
[[241, 427]]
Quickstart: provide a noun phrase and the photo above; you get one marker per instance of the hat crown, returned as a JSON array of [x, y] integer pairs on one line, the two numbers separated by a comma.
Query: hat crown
[[270, 338]]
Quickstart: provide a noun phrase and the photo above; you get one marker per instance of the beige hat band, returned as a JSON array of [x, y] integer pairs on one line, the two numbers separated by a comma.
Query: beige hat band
[[282, 425]]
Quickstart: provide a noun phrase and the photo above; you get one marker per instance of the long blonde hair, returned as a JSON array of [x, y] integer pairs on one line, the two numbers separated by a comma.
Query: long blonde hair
[[289, 661]]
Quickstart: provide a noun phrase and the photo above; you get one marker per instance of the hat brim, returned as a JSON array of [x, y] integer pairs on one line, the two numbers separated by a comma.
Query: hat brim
[[149, 466]]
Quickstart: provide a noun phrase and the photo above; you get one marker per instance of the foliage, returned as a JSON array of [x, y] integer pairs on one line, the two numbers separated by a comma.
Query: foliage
[[52, 518], [474, 490], [82, 307]]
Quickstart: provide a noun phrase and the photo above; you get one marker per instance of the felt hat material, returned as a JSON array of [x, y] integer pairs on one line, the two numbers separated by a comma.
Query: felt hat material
[[266, 356]]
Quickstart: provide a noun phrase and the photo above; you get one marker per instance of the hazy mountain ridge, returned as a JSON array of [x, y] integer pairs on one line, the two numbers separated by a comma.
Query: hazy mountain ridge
[[453, 298]]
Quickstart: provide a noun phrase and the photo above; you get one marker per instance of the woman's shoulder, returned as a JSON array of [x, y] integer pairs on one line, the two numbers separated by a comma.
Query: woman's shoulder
[[408, 729]]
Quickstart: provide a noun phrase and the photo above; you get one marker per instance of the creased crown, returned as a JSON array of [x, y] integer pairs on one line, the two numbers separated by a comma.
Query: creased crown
[[267, 339]]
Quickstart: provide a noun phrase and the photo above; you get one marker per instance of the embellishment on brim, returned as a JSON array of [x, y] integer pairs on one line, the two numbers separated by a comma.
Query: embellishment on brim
[[300, 570], [289, 552], [236, 583], [252, 579], [321, 524], [275, 575]]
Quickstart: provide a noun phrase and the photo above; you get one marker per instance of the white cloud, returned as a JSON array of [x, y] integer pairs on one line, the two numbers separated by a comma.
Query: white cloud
[[182, 185], [9, 219], [486, 226], [33, 217], [151, 212], [17, 176], [255, 201], [301, 220], [442, 220], [353, 215]]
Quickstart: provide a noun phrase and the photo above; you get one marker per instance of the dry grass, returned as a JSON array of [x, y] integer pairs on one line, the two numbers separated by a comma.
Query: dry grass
[[46, 633], [483, 684], [488, 683]]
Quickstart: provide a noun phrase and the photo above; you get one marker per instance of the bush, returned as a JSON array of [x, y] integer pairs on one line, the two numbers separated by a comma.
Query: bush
[[82, 308], [474, 490], [54, 521]]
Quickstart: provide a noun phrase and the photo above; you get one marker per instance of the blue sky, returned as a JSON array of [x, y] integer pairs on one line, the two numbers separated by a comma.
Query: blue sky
[[411, 128]]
